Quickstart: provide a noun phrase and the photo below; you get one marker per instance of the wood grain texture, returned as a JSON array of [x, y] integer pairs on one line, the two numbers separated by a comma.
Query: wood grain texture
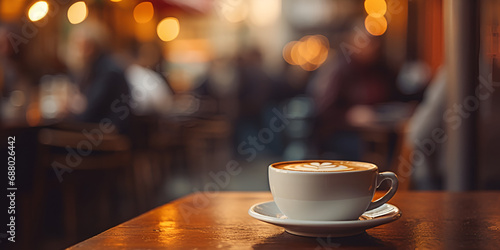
[[431, 220]]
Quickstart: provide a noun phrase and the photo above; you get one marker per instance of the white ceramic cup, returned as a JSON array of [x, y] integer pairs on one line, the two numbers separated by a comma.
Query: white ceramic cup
[[328, 194]]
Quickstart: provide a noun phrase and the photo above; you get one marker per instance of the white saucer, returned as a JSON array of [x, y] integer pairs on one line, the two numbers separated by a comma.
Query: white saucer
[[270, 213]]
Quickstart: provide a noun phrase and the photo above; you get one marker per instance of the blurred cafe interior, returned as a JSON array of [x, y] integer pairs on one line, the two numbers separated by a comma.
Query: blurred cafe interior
[[119, 106]]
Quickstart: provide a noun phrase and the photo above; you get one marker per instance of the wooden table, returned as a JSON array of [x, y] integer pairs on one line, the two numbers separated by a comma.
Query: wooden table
[[430, 220]]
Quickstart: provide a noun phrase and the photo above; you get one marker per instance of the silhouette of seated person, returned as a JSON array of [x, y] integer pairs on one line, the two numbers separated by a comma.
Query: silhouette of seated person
[[344, 89], [103, 94], [151, 94]]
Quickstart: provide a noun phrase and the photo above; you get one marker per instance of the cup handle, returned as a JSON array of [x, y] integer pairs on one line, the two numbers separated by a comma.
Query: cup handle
[[394, 186]]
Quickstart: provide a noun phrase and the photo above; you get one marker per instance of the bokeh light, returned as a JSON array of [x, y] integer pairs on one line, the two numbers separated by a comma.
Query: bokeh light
[[11, 10], [309, 52], [234, 12], [38, 10], [33, 115], [168, 29], [264, 12], [17, 98], [295, 54], [375, 8], [144, 12], [287, 52], [115, 1], [77, 12], [376, 25], [145, 32]]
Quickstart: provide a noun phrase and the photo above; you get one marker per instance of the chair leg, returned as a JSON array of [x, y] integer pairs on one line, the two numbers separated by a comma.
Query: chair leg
[[39, 195], [70, 216]]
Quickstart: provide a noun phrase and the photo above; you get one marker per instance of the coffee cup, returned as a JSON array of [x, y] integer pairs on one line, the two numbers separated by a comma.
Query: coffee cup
[[327, 190]]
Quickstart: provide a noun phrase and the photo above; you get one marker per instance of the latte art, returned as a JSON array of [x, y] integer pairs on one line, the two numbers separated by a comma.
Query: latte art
[[316, 166], [324, 166]]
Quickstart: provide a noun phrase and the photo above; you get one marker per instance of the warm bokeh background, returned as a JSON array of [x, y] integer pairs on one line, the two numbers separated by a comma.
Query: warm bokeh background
[[119, 106]]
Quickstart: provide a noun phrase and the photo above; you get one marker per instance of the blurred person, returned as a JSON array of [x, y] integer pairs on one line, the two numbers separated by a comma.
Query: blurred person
[[103, 90], [17, 77], [254, 93], [218, 89], [428, 171], [345, 89], [8, 71], [151, 93]]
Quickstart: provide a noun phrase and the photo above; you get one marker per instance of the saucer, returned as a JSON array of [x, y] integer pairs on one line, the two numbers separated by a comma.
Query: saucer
[[270, 213]]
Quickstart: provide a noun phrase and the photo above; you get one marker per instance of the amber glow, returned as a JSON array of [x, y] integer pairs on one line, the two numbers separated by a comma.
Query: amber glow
[[375, 25], [145, 31], [168, 29], [296, 56], [38, 10], [77, 12], [287, 52], [264, 12], [309, 52], [189, 51], [235, 12], [33, 116], [375, 8], [143, 12], [11, 10]]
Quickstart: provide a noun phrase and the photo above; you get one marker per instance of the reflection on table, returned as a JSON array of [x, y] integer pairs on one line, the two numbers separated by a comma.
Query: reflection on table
[[430, 220]]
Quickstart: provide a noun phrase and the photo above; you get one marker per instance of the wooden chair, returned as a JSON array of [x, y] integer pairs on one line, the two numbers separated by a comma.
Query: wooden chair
[[104, 154], [149, 150], [401, 163], [206, 147]]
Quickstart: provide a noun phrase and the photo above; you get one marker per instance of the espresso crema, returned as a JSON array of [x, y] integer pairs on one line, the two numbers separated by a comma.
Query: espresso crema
[[324, 166]]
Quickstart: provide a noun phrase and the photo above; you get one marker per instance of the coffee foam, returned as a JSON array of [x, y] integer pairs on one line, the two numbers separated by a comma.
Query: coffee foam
[[322, 166]]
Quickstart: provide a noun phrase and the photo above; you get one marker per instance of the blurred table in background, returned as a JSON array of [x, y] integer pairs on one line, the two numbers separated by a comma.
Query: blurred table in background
[[430, 220], [383, 132]]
